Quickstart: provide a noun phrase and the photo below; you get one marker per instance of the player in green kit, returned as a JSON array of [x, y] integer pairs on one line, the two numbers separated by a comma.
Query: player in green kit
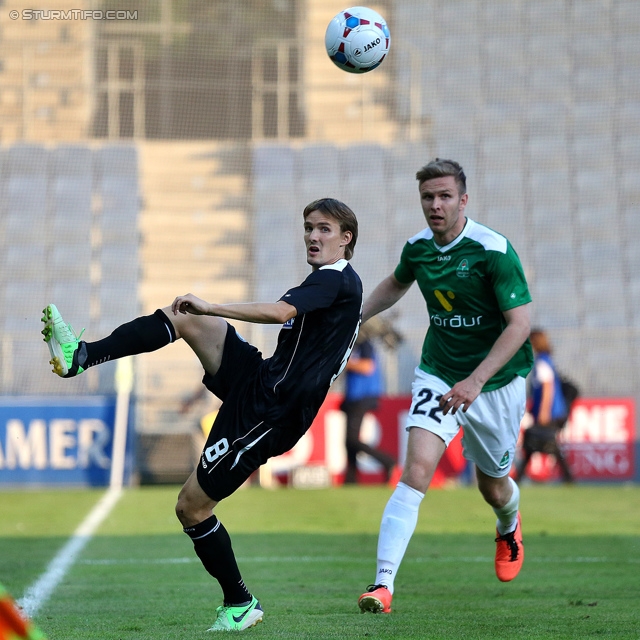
[[475, 358]]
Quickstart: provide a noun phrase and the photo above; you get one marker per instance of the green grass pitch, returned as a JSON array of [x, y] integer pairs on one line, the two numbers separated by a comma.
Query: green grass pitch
[[307, 555]]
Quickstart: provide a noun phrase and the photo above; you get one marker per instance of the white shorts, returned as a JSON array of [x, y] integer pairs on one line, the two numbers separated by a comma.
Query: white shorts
[[491, 424]]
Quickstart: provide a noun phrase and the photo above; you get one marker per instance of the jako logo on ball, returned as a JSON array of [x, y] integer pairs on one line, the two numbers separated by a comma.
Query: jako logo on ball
[[357, 40]]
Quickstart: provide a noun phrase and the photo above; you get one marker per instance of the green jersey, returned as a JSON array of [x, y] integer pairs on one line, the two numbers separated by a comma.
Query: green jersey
[[466, 285]]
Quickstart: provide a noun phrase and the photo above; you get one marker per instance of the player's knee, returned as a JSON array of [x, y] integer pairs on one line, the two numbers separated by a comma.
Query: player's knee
[[418, 475], [184, 509], [181, 510], [189, 326], [496, 494]]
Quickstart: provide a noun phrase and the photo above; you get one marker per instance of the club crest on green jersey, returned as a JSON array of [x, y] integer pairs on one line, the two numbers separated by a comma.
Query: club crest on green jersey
[[463, 269]]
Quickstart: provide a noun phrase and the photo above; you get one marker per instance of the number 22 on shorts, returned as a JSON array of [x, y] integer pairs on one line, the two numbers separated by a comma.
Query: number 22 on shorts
[[426, 396]]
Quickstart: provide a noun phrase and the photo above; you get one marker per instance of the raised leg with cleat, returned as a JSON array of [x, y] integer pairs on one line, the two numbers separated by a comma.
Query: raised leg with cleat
[[62, 342]]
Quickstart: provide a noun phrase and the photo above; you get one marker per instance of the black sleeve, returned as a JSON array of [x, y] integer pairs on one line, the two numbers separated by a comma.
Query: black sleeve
[[318, 291]]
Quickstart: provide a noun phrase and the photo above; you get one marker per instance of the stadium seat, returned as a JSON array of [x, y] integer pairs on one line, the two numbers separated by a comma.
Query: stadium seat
[[588, 186], [551, 83], [72, 194], [27, 194], [599, 258], [275, 179], [605, 301], [318, 174], [593, 83], [74, 161], [554, 259], [597, 162], [592, 120], [589, 221], [505, 189], [555, 307], [119, 262], [24, 159], [118, 303], [546, 119], [116, 160], [549, 221], [26, 299], [634, 306], [603, 357], [70, 261], [25, 260], [548, 153], [363, 165], [545, 184]]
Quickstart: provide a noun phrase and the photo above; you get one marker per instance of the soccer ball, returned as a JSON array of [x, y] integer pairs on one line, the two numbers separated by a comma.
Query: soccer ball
[[357, 40]]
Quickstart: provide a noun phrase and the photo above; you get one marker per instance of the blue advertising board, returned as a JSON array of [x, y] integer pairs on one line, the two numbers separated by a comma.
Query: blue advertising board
[[59, 440]]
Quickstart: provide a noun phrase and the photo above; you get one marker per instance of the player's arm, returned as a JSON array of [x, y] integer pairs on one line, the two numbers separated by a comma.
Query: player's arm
[[546, 402], [463, 393], [546, 378], [385, 295], [258, 312]]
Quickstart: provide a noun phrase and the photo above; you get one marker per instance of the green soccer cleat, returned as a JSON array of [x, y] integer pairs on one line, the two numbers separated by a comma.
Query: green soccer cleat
[[238, 618], [63, 343]]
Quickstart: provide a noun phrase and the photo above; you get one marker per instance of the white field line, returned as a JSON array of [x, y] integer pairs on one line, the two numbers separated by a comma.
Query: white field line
[[347, 560], [40, 591]]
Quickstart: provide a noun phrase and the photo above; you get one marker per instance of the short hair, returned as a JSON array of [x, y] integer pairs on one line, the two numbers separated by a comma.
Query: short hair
[[342, 213], [439, 168], [540, 341]]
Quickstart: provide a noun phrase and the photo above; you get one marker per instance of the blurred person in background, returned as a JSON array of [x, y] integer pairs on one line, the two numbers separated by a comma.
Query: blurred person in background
[[549, 409], [475, 358], [267, 404], [363, 388]]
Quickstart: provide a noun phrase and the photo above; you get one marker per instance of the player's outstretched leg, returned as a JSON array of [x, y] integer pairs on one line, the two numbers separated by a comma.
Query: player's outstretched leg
[[70, 356], [63, 343], [376, 599], [233, 618], [509, 553]]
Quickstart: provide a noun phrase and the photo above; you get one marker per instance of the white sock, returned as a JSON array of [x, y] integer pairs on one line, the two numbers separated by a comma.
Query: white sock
[[508, 515], [399, 521]]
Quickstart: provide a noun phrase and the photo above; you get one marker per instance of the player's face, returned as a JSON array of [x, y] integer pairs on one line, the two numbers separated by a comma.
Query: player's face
[[323, 239], [443, 208]]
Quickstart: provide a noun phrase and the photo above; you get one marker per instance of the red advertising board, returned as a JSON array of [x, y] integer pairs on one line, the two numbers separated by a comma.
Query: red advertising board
[[598, 442], [324, 444]]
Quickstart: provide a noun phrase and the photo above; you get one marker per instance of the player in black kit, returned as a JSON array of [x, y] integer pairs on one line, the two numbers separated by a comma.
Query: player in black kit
[[267, 404]]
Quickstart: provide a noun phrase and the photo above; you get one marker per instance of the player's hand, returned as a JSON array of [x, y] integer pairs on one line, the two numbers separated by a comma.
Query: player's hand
[[460, 396], [190, 304]]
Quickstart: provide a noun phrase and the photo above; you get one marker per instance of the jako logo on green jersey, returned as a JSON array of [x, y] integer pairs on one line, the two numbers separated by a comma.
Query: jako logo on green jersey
[[463, 269]]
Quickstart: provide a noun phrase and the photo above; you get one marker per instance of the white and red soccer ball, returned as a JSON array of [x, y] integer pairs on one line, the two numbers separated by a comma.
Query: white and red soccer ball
[[357, 40]]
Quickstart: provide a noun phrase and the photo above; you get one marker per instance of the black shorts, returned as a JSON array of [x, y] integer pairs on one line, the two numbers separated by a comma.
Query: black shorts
[[240, 441]]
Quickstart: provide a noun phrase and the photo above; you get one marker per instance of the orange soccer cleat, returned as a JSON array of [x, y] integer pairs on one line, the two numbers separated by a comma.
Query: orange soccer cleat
[[377, 599], [509, 553]]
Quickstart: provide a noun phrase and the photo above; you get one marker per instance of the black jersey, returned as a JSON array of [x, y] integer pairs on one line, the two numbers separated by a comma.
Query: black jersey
[[313, 347]]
